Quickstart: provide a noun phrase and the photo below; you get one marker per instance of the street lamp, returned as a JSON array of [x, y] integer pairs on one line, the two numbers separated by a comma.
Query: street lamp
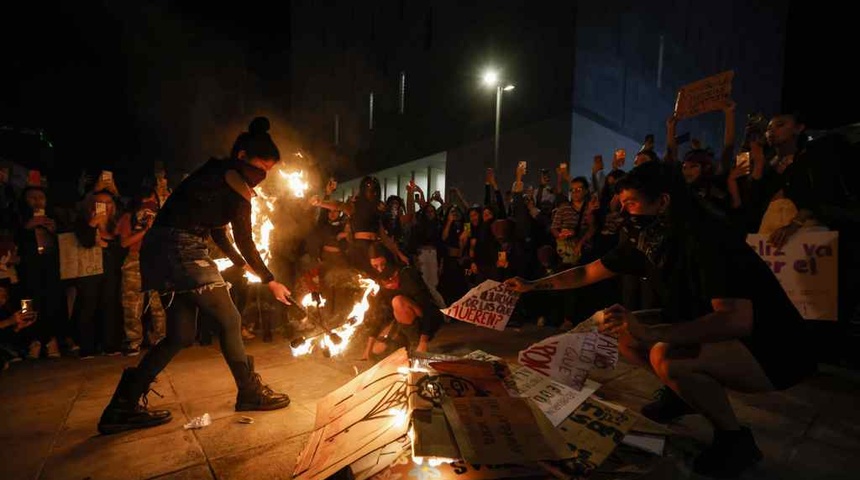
[[491, 79]]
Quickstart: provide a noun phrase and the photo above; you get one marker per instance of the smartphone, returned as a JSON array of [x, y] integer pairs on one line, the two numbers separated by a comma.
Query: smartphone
[[106, 176], [101, 208], [503, 257], [620, 153], [522, 166], [39, 213], [743, 161]]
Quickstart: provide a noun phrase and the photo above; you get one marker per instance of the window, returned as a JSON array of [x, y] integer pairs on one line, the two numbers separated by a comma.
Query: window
[[402, 92], [370, 105]]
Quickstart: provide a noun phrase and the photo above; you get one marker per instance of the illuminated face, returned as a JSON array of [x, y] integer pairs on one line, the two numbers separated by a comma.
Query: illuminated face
[[333, 215], [635, 203], [379, 264], [782, 130], [36, 199], [578, 191], [487, 215], [691, 171], [264, 164]]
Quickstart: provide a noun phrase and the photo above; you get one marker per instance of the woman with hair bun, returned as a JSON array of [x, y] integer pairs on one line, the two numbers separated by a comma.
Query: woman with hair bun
[[175, 262]]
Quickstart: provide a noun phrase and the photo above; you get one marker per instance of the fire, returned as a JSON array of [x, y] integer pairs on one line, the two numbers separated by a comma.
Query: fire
[[400, 416], [262, 209], [308, 300], [296, 182], [343, 332]]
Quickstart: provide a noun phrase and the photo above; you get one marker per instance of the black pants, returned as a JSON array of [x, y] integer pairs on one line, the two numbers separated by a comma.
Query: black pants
[[99, 310], [182, 327], [40, 277]]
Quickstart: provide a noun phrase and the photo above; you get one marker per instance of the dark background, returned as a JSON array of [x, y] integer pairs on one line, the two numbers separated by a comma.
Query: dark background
[[121, 86]]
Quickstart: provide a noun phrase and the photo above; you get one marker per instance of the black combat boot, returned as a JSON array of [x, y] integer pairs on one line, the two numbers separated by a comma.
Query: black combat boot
[[127, 409], [253, 395]]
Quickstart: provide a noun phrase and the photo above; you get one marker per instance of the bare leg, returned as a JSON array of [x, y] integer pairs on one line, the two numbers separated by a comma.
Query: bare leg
[[701, 380]]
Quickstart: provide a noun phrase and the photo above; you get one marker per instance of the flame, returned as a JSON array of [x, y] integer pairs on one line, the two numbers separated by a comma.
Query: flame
[[346, 330], [400, 416], [296, 182], [308, 300], [262, 209]]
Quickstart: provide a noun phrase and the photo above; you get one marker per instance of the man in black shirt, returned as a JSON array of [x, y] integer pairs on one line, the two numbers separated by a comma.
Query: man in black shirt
[[726, 323]]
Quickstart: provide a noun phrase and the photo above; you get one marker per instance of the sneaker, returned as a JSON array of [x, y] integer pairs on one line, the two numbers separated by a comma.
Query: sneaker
[[247, 334], [71, 346], [131, 351], [731, 453], [667, 406], [34, 351], [53, 348]]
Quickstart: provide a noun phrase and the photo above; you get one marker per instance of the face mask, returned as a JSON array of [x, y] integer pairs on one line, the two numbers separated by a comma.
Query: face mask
[[648, 233], [638, 223], [251, 174]]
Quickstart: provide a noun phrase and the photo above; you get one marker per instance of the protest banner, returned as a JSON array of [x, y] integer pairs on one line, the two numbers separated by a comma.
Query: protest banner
[[77, 261], [569, 357], [592, 432], [706, 95], [496, 430], [554, 399], [488, 305], [806, 267]]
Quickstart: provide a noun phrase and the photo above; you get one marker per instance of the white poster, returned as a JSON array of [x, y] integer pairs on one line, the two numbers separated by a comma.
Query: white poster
[[77, 261], [569, 357], [488, 305], [556, 400], [806, 267]]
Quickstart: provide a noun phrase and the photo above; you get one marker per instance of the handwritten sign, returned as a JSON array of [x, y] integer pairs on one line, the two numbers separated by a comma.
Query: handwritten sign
[[706, 95], [806, 267], [554, 399], [495, 430], [77, 261], [592, 432], [570, 356], [488, 305]]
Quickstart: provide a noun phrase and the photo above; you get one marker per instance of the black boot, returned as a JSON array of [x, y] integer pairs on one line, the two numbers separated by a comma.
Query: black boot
[[127, 409], [668, 406], [253, 395], [732, 452]]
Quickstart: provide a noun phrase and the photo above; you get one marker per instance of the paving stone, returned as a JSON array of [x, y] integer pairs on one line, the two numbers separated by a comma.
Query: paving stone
[[103, 458], [226, 436], [199, 472], [272, 461]]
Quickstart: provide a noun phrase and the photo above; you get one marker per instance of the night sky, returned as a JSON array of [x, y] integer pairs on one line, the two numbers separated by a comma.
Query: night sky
[[115, 84]]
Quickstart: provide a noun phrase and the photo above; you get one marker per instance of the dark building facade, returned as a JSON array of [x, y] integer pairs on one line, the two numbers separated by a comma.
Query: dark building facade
[[589, 77]]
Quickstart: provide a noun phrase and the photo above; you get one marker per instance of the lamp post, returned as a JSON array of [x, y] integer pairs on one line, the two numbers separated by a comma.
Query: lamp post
[[491, 79]]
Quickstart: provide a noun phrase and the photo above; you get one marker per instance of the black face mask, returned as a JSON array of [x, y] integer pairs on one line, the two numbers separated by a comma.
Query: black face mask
[[648, 233], [252, 175]]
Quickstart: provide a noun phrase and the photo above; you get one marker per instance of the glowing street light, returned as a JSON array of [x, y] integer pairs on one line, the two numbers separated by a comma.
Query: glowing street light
[[491, 79]]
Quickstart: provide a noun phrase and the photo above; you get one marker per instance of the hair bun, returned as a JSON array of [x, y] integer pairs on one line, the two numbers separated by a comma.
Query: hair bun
[[259, 125]]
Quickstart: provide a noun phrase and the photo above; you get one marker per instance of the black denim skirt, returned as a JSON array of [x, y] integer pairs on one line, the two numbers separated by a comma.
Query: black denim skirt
[[177, 260]]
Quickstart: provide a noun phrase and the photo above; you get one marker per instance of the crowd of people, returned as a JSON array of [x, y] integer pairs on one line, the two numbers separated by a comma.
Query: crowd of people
[[99, 313]]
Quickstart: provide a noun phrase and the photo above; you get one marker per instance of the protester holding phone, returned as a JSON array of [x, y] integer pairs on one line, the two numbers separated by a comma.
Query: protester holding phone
[[132, 227], [36, 238], [97, 306]]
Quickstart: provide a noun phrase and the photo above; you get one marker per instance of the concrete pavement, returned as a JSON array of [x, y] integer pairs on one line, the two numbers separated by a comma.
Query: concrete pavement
[[49, 411]]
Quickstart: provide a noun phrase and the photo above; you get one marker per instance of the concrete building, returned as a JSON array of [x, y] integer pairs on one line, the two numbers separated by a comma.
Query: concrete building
[[388, 83]]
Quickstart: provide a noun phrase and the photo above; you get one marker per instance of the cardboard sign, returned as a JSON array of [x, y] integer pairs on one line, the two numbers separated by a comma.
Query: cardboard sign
[[496, 430], [569, 357], [556, 400], [592, 432], [706, 95], [357, 419], [379, 459], [488, 305], [806, 267], [77, 261]]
